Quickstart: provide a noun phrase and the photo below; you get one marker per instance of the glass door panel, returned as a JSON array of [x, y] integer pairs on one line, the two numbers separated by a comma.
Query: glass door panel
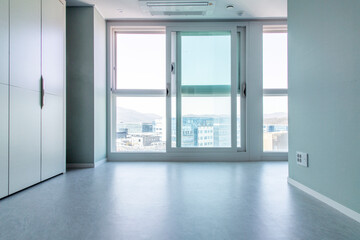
[[203, 90], [138, 93], [140, 61]]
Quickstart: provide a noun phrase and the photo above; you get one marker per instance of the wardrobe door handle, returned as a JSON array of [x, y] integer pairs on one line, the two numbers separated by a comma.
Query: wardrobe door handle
[[244, 89], [42, 92]]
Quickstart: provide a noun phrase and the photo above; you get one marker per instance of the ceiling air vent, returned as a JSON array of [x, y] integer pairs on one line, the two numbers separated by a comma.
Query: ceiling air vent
[[177, 8]]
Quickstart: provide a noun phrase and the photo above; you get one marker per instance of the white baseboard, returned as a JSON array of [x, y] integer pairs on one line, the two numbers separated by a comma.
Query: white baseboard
[[86, 165], [102, 161], [341, 208], [80, 165]]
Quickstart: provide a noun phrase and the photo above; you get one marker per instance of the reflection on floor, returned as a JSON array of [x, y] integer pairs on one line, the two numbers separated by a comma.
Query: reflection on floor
[[172, 201]]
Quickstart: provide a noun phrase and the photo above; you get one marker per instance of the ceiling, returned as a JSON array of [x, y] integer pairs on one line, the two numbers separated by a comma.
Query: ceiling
[[243, 9]]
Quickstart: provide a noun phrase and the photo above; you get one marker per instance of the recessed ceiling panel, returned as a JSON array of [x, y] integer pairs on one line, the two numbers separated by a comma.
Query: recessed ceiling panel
[[243, 9], [177, 7]]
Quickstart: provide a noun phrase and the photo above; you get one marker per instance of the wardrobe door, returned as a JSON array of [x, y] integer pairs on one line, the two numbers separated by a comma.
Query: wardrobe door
[[4, 124], [53, 156], [53, 54], [4, 41], [53, 50], [24, 164], [4, 96], [25, 73], [25, 43]]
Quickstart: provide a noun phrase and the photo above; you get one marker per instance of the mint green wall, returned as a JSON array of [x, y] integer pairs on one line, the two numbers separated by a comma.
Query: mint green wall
[[324, 96], [100, 86], [79, 85], [85, 85]]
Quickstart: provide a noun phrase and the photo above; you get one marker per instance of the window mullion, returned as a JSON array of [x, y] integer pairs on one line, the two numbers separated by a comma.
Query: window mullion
[[178, 91], [234, 87], [275, 92], [140, 92]]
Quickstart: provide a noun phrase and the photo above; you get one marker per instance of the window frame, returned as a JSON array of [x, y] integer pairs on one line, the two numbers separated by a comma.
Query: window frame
[[273, 92], [252, 75], [115, 92], [172, 33]]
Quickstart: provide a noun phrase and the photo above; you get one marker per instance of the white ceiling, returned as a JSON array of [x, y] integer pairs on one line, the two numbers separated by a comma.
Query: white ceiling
[[130, 9]]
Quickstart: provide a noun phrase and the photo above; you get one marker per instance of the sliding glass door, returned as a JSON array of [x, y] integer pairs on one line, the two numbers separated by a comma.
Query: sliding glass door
[[205, 96], [203, 89], [177, 90]]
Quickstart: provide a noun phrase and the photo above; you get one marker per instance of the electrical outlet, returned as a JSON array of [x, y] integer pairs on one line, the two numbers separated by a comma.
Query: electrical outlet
[[302, 159]]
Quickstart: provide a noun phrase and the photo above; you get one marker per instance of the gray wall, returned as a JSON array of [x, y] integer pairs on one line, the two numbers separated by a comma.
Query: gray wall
[[99, 86], [79, 85], [324, 96]]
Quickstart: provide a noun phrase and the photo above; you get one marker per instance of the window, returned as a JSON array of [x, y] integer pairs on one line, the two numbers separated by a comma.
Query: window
[[139, 91], [203, 101], [204, 83], [140, 60], [275, 109], [204, 106], [178, 91]]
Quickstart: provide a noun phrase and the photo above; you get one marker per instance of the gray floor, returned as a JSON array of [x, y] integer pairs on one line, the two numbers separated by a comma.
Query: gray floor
[[172, 201]]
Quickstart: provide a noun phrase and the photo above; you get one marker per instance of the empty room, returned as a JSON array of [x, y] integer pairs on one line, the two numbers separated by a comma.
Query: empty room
[[179, 119]]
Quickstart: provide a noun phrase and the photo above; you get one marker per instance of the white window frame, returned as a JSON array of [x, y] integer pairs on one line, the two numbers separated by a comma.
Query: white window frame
[[273, 92], [252, 74], [115, 92], [235, 79]]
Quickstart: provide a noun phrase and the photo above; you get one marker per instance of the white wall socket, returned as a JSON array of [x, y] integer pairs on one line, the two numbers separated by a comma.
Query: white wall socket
[[302, 159]]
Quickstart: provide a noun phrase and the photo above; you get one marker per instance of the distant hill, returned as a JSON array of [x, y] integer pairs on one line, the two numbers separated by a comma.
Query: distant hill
[[128, 115], [276, 115], [205, 116], [276, 118]]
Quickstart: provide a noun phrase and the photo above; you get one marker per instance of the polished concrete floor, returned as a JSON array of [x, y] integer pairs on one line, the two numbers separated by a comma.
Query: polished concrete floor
[[172, 201]]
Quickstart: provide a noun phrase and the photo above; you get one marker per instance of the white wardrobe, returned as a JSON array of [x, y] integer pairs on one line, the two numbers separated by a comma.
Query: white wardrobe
[[32, 86]]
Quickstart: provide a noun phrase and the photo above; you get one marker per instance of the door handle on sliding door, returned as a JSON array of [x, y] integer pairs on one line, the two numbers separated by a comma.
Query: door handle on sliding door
[[243, 89]]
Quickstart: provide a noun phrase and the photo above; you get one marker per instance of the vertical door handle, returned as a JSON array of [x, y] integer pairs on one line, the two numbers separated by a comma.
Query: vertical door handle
[[42, 92], [243, 89], [172, 68]]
